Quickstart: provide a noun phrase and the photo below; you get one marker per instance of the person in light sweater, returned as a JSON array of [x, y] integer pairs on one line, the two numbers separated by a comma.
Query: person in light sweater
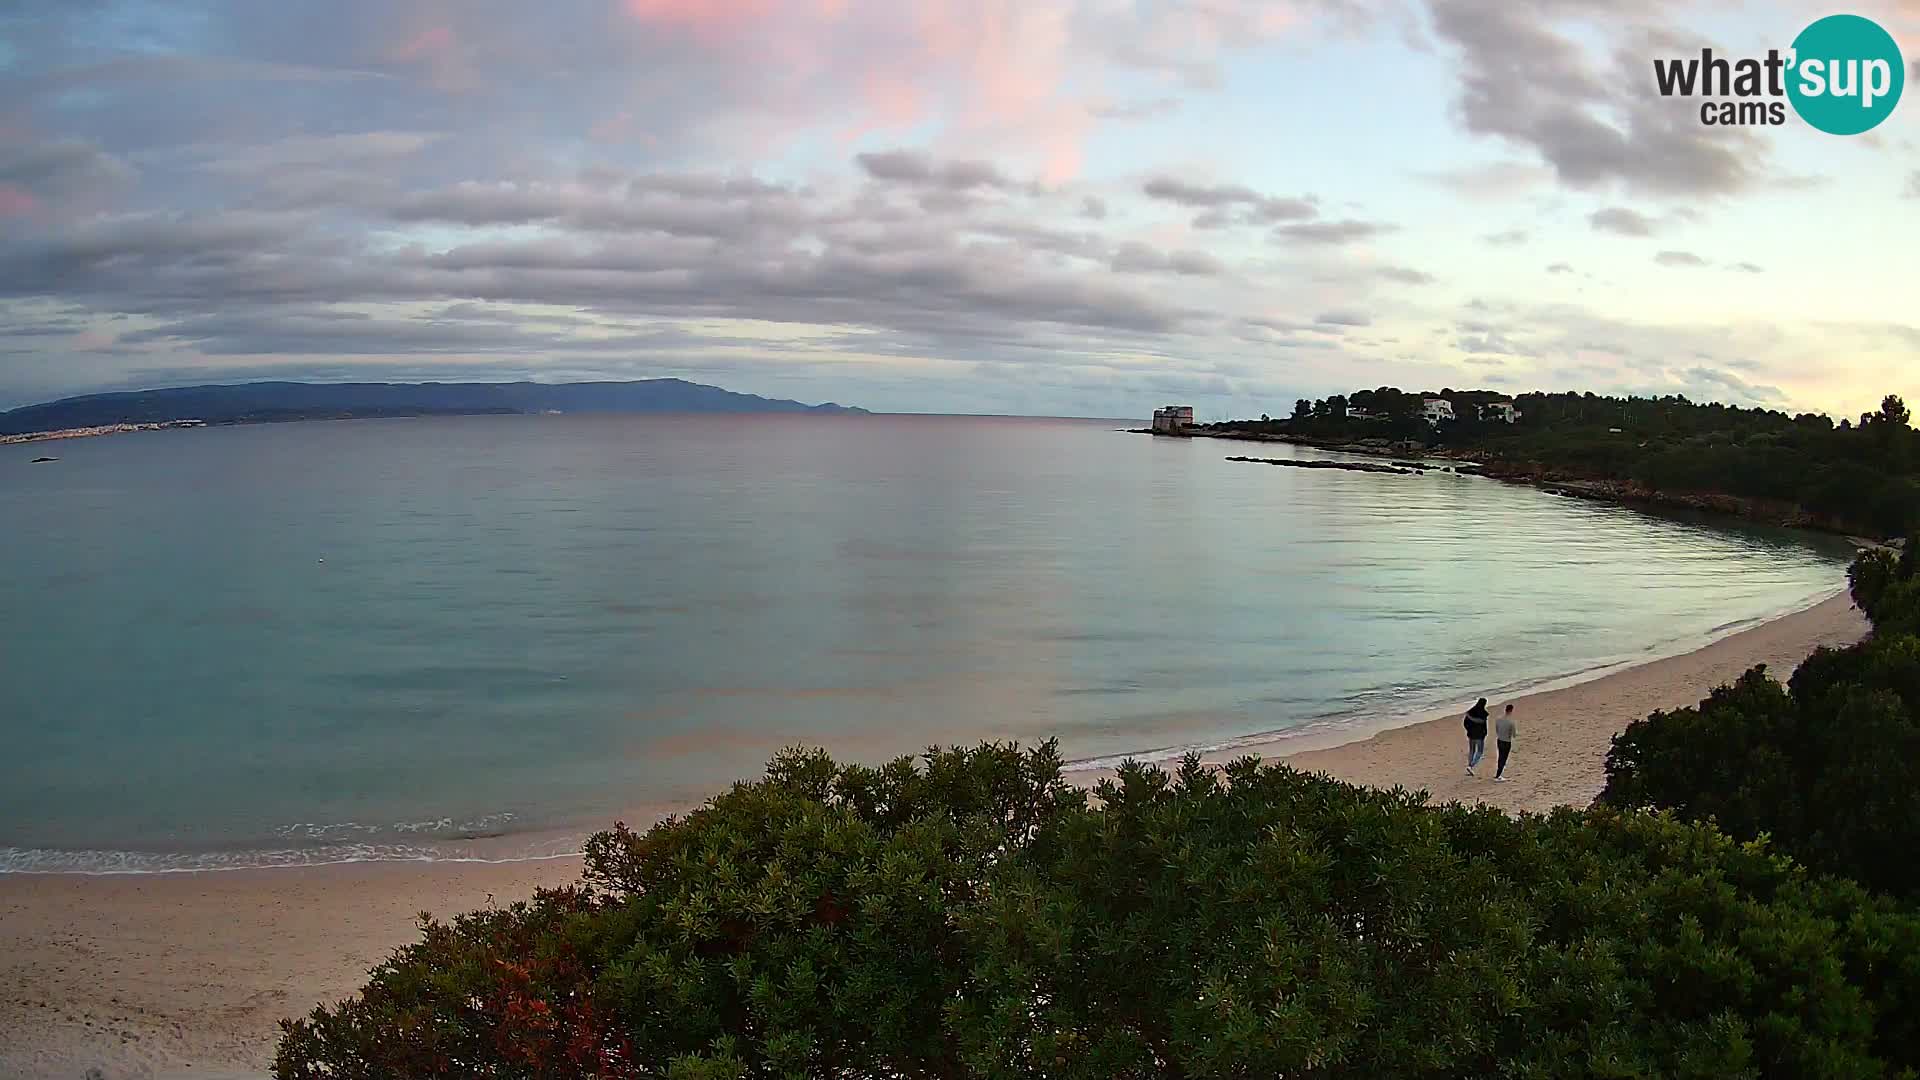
[[1504, 729]]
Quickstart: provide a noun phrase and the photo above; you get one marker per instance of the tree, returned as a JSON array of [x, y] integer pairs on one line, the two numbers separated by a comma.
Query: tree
[[1302, 409], [1828, 767], [974, 916]]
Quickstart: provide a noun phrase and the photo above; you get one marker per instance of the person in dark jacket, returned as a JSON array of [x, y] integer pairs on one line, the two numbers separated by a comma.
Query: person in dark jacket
[[1476, 725]]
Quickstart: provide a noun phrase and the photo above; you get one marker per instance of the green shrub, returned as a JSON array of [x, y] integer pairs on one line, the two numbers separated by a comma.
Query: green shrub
[[974, 916], [1827, 768]]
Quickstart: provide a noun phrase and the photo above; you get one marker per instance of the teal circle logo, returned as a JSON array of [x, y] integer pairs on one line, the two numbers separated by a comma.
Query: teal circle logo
[[1846, 74]]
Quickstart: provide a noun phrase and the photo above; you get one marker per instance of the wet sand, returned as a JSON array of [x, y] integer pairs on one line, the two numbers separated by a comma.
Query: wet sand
[[187, 975]]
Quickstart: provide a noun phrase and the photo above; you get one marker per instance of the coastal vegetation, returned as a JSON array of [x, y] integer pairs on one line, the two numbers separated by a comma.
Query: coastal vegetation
[[1827, 768], [1859, 476], [972, 915]]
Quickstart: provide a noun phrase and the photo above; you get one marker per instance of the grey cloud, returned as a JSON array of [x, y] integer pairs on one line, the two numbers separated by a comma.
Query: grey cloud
[[916, 167], [1913, 178], [1491, 344], [1139, 258], [1622, 221], [324, 151], [1679, 258], [1748, 268], [1229, 204], [1508, 238], [1559, 268], [1726, 386], [161, 68], [1343, 318], [1523, 81], [719, 208], [1406, 275], [1329, 232], [1093, 207], [52, 169]]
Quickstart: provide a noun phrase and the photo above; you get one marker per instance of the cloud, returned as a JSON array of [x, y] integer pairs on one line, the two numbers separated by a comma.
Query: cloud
[[1135, 110], [1498, 181], [1342, 318], [1524, 81], [1726, 386], [1748, 268], [1406, 275], [1913, 178], [1229, 204], [1622, 221], [1490, 343], [1559, 268], [918, 168], [60, 169], [1679, 258], [1329, 232], [1135, 258], [305, 152], [886, 197]]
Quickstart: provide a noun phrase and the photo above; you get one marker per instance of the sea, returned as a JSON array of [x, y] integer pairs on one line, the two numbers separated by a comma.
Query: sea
[[484, 637]]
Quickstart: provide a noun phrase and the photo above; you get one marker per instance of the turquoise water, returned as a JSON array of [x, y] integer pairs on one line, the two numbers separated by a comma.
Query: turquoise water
[[315, 641]]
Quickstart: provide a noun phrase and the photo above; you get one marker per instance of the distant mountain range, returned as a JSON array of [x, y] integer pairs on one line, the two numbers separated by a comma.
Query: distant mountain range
[[273, 401]]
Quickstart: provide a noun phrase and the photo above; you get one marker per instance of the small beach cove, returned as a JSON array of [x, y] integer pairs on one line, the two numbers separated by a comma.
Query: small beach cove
[[167, 975]]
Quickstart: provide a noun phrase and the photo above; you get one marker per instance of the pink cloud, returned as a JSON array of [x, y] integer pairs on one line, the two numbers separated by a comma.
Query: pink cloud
[[712, 20], [996, 77], [16, 202], [443, 53], [432, 42]]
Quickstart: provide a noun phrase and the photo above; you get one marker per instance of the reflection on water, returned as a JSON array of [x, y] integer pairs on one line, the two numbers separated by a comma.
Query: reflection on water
[[547, 620]]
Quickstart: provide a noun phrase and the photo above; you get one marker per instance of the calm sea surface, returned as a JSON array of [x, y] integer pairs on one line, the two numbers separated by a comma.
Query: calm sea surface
[[312, 641]]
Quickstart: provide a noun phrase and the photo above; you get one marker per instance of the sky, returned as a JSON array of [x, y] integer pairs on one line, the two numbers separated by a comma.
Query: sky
[[1084, 207]]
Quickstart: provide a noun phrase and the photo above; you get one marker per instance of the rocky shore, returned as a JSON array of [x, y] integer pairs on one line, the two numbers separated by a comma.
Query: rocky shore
[[1400, 468], [1557, 482]]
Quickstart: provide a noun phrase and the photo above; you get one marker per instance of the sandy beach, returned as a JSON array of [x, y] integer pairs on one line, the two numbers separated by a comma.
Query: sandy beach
[[186, 975]]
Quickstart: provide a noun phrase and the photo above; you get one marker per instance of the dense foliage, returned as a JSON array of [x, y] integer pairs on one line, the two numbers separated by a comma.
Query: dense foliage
[[1863, 476], [977, 917], [1828, 767]]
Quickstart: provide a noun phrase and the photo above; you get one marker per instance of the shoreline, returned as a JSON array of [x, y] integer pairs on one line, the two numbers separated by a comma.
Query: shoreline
[[166, 975], [1551, 481], [563, 840]]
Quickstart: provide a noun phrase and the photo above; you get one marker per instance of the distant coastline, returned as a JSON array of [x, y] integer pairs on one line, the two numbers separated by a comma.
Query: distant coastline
[[278, 402], [90, 432]]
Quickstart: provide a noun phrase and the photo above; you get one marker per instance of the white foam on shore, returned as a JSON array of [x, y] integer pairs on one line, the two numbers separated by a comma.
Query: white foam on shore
[[334, 847]]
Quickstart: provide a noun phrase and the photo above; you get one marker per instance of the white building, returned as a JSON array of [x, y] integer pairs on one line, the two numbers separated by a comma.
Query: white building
[[1502, 411], [1358, 414], [1173, 420], [1436, 409]]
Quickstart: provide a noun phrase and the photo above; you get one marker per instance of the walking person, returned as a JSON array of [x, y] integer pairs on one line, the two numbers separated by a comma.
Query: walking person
[[1476, 725], [1503, 732]]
